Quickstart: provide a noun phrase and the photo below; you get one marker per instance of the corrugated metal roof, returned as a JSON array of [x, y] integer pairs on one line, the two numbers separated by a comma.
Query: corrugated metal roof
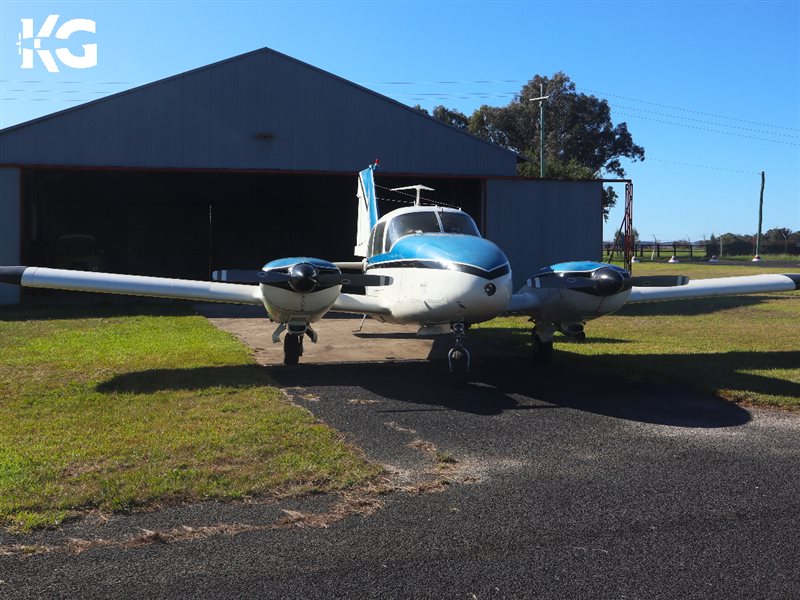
[[260, 110]]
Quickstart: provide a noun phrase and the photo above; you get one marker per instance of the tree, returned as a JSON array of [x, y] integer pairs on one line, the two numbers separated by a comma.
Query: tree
[[581, 142], [452, 117], [619, 238]]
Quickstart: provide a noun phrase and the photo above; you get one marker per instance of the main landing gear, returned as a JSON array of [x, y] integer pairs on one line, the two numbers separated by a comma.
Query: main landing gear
[[542, 343], [458, 358]]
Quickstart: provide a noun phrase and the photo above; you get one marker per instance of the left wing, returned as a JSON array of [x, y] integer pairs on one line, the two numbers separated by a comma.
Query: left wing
[[722, 286], [132, 285]]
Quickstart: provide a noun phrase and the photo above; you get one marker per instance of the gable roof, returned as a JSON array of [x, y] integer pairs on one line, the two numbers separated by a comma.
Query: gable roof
[[259, 110]]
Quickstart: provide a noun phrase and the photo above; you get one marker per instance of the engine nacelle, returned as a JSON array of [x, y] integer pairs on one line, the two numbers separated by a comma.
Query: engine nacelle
[[299, 289]]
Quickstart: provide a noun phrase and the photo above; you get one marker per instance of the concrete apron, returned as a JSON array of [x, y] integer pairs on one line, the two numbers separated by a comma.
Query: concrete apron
[[339, 341]]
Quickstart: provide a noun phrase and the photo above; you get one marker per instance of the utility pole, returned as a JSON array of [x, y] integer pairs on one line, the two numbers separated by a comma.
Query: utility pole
[[541, 100], [757, 257]]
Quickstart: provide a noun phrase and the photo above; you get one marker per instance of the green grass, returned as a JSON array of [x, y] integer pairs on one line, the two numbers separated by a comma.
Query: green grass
[[118, 408], [744, 349]]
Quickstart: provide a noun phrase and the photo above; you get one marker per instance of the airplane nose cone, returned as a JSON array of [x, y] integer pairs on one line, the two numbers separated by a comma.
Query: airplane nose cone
[[608, 281]]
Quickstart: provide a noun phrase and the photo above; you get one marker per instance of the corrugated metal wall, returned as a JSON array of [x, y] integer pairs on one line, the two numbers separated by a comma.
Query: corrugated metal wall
[[261, 110], [538, 223], [9, 229]]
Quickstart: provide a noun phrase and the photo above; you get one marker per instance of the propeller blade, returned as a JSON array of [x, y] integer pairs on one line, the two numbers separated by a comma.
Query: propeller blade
[[563, 283], [660, 280], [249, 276], [273, 277], [236, 275], [358, 279]]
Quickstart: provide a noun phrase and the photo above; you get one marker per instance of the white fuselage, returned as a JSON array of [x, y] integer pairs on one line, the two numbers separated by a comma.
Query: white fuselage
[[437, 296]]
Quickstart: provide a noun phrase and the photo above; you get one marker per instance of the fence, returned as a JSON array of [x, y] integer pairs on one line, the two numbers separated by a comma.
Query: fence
[[703, 249]]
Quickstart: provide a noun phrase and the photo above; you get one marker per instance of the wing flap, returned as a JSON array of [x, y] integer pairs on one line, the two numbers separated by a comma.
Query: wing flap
[[722, 286], [139, 285]]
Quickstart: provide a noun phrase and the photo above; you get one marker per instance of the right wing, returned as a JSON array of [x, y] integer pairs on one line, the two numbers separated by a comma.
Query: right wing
[[132, 285], [721, 286]]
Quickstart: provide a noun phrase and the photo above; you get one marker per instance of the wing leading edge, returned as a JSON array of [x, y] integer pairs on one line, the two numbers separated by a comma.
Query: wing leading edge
[[722, 286], [132, 285]]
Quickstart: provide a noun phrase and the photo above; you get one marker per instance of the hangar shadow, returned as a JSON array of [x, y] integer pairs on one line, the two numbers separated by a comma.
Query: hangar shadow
[[100, 310]]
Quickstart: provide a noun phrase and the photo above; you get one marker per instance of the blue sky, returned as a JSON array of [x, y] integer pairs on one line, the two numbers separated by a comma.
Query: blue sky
[[710, 89]]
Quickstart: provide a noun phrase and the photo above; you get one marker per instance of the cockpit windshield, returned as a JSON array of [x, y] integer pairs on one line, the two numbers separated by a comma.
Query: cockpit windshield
[[454, 222], [427, 222], [409, 223]]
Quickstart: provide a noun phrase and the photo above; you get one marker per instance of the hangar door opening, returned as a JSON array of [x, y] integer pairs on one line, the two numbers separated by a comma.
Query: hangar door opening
[[187, 224]]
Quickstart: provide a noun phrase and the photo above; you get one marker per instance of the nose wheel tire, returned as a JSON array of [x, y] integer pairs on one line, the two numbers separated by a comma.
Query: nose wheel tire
[[542, 351], [292, 348]]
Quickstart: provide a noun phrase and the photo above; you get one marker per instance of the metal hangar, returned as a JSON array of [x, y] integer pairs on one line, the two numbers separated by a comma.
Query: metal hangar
[[253, 158]]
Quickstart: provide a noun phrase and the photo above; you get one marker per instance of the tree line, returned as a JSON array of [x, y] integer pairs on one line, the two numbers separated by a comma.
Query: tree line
[[779, 240]]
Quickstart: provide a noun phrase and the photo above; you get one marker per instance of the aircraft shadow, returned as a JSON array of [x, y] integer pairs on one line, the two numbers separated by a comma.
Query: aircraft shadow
[[724, 370], [496, 385], [692, 307]]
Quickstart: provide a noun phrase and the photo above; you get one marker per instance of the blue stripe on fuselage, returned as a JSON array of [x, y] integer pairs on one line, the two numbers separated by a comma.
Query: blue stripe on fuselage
[[445, 249]]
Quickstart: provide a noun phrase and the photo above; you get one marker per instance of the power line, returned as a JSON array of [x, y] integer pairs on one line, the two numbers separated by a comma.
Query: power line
[[699, 166], [707, 114], [653, 112], [741, 135]]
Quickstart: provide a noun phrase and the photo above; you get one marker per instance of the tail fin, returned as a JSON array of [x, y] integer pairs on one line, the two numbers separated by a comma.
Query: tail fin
[[367, 209]]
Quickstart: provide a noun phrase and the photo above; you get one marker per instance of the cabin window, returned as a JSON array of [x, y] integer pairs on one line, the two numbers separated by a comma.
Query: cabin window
[[411, 223], [453, 222], [376, 239]]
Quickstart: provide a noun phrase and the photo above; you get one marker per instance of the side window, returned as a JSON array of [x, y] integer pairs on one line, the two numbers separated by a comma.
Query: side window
[[376, 239]]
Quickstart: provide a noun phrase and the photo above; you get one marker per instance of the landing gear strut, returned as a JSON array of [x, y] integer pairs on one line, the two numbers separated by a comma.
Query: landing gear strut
[[292, 348], [542, 343], [458, 358]]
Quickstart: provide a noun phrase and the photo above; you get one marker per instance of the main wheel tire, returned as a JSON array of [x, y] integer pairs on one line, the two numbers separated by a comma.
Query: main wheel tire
[[459, 366], [292, 349], [542, 351]]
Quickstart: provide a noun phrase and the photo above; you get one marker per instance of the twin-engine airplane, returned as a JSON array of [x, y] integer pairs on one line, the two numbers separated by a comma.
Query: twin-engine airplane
[[424, 265]]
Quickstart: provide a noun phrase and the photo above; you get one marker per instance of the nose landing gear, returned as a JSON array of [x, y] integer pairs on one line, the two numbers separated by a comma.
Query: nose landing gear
[[458, 358], [292, 348], [293, 340]]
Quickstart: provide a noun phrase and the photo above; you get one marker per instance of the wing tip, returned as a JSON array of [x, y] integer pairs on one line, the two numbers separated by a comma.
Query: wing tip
[[12, 275], [795, 277]]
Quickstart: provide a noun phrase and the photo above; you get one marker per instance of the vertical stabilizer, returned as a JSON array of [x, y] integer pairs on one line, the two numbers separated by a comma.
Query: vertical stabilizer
[[367, 209]]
